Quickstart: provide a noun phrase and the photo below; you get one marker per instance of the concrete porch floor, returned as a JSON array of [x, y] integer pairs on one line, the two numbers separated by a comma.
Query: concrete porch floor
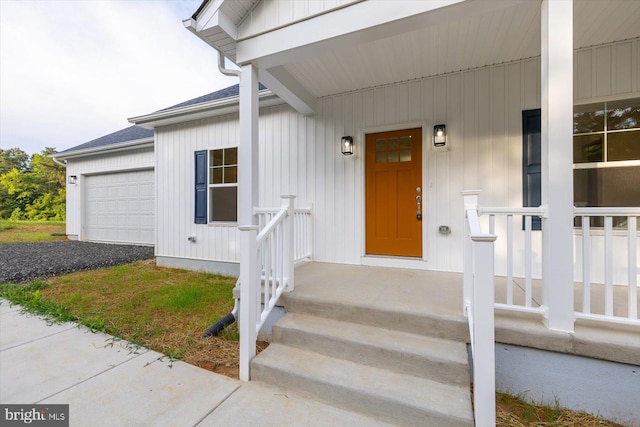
[[440, 293]]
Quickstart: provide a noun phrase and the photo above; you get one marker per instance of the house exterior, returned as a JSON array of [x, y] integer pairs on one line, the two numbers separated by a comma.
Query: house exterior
[[537, 102], [479, 92]]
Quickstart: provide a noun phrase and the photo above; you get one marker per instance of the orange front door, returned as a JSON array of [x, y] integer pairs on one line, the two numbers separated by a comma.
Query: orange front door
[[393, 183]]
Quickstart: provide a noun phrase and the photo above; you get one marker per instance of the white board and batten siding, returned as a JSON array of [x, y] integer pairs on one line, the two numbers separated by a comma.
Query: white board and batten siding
[[270, 14], [113, 199], [482, 109]]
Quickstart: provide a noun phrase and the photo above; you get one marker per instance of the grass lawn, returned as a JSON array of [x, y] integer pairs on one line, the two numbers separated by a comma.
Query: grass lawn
[[168, 310], [514, 411], [163, 309], [31, 231]]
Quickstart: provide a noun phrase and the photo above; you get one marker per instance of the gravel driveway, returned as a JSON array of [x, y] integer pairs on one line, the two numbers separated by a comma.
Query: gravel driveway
[[20, 262]]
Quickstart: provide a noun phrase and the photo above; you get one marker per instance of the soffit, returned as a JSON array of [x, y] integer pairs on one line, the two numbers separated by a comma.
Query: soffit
[[508, 34]]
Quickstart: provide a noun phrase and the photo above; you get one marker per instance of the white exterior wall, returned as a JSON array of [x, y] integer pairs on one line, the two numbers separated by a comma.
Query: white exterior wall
[[136, 159], [482, 109], [175, 172], [270, 14]]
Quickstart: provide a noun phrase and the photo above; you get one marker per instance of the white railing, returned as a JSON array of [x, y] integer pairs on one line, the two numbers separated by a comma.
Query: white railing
[[607, 245], [266, 269], [518, 239], [302, 225], [479, 308]]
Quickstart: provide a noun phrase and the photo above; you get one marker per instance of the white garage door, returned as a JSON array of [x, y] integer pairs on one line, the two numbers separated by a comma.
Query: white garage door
[[120, 207]]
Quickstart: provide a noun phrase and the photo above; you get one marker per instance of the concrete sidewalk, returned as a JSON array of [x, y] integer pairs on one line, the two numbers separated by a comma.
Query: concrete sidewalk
[[108, 383]]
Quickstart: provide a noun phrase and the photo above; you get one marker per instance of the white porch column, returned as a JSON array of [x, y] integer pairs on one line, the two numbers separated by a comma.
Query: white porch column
[[248, 149], [557, 162], [247, 199]]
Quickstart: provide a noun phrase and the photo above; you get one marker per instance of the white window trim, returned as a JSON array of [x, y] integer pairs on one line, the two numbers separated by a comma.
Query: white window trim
[[211, 221]]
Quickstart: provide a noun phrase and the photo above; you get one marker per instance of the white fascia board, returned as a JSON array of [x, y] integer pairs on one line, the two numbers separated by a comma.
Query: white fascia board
[[218, 20], [281, 82], [213, 21], [121, 146], [352, 25], [218, 107]]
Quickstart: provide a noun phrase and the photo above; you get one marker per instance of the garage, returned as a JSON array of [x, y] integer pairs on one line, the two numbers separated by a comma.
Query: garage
[[120, 207]]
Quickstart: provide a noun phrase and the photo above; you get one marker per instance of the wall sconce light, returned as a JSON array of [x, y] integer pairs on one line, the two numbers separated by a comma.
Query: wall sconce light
[[439, 135], [347, 145], [73, 179]]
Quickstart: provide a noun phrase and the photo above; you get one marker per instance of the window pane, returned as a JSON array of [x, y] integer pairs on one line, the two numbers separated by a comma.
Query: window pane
[[405, 142], [216, 176], [607, 187], [393, 156], [393, 143], [623, 145], [623, 114], [587, 148], [588, 118], [231, 156], [230, 174], [405, 156], [381, 157], [216, 158], [223, 204], [381, 144]]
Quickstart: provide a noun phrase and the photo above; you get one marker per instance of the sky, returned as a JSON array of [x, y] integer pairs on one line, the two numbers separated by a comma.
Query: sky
[[73, 71]]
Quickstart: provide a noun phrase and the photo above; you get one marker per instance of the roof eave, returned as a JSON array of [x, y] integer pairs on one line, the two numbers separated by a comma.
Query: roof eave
[[121, 146], [214, 108]]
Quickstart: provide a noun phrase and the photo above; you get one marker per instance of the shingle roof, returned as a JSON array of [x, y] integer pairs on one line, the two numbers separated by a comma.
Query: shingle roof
[[227, 92], [131, 133], [136, 132]]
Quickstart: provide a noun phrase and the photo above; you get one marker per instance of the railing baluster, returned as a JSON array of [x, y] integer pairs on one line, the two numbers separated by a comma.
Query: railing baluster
[[510, 259], [586, 264], [528, 259], [492, 224], [608, 265], [632, 291]]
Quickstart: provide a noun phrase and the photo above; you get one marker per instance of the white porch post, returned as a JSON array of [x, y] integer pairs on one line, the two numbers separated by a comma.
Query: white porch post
[[557, 162], [248, 149], [247, 199], [470, 198]]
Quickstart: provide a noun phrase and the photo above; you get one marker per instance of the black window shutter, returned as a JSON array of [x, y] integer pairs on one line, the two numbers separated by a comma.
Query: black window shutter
[[201, 187], [532, 164]]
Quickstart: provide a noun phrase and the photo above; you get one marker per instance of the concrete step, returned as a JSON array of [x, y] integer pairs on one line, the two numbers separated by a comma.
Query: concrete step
[[385, 395], [427, 357], [450, 327]]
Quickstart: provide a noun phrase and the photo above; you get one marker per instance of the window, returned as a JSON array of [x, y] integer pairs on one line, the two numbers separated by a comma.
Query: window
[[606, 155], [223, 185], [216, 184]]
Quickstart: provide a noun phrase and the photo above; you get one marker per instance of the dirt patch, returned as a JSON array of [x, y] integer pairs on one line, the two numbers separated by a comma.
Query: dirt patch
[[220, 356]]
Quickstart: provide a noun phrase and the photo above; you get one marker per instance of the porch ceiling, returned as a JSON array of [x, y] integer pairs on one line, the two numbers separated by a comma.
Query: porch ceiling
[[371, 43], [503, 35]]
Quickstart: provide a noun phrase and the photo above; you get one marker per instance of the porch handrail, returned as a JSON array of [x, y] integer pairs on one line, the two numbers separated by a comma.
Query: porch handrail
[[266, 269], [527, 213], [608, 213], [479, 308], [303, 229]]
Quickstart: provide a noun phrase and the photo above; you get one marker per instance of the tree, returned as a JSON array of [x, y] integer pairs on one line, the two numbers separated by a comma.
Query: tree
[[33, 189], [13, 158]]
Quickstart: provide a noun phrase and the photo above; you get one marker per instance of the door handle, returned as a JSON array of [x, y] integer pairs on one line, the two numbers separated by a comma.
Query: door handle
[[419, 205]]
